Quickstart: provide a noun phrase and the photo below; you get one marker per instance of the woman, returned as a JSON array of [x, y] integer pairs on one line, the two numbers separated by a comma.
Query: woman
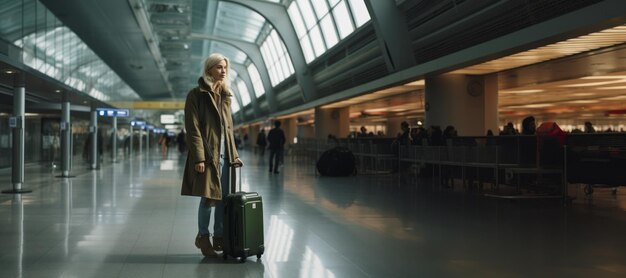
[[212, 152]]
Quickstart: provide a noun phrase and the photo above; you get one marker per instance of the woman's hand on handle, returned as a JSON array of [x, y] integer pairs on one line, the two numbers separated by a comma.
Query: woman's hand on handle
[[237, 163]]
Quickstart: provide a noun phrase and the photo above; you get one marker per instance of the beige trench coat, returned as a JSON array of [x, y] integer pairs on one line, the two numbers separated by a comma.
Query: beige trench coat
[[201, 118]]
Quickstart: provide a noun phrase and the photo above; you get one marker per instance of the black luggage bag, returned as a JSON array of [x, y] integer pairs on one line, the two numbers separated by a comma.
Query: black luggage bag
[[337, 162]]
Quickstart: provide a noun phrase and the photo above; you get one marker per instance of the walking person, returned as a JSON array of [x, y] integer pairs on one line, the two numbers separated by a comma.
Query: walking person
[[261, 142], [276, 138], [180, 139], [164, 141], [212, 151]]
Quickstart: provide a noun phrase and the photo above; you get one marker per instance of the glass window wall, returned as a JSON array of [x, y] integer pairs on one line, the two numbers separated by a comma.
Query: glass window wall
[[276, 58], [321, 24], [243, 92], [257, 83], [53, 49]]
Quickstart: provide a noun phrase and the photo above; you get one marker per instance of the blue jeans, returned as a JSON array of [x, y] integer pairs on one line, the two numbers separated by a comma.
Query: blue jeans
[[204, 210]]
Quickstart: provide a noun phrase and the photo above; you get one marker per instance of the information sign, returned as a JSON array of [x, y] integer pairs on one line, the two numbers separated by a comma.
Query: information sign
[[111, 112]]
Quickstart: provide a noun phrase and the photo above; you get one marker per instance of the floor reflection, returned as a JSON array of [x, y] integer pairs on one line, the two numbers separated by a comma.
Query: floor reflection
[[17, 221], [312, 266], [66, 191], [129, 220]]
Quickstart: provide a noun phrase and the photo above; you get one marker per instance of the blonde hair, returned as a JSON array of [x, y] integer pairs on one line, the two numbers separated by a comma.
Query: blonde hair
[[211, 61]]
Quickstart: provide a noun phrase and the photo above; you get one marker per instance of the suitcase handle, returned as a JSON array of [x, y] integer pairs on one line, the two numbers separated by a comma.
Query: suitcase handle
[[234, 180]]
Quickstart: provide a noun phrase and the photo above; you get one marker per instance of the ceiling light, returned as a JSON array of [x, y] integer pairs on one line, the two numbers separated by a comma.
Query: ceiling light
[[57, 91], [597, 40], [614, 98], [582, 101], [376, 110], [583, 94], [605, 77], [537, 105], [522, 91], [593, 84], [612, 88], [9, 71], [420, 82]]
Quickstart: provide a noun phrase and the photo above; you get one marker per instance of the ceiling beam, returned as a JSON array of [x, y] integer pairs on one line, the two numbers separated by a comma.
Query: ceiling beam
[[277, 15]]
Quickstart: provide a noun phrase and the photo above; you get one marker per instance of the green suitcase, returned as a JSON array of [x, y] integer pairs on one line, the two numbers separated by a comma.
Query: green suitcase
[[243, 225]]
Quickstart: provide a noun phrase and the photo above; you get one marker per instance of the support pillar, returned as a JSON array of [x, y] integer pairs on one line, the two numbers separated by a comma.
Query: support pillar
[[114, 140], [93, 133], [335, 121], [141, 139], [147, 142], [17, 124], [66, 136], [467, 102], [291, 129], [393, 126], [130, 138]]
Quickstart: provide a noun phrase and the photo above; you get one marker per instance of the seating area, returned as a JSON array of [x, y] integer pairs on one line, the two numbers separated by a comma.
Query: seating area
[[512, 166]]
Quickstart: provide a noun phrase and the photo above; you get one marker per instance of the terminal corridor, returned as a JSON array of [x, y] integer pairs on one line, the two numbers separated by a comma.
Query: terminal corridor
[[129, 220]]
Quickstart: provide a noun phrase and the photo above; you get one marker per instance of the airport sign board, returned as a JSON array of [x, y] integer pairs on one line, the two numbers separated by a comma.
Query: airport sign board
[[137, 123], [111, 112]]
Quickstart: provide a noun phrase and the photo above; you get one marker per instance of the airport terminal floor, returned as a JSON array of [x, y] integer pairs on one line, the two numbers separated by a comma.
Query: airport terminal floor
[[128, 220]]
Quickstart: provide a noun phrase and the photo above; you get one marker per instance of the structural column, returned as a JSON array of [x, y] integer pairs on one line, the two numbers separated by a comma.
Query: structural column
[[393, 36], [130, 134], [66, 136], [332, 121], [148, 141], [291, 129], [393, 126], [467, 102], [141, 139], [114, 140], [17, 123], [93, 133]]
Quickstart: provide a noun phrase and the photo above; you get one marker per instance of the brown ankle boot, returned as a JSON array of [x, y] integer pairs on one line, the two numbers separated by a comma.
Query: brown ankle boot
[[204, 243]]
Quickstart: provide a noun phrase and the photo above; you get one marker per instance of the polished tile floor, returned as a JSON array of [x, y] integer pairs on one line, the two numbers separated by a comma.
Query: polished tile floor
[[129, 220]]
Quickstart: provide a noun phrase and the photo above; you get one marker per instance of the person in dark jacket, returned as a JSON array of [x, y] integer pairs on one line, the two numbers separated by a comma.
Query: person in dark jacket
[[182, 144], [261, 141], [276, 138]]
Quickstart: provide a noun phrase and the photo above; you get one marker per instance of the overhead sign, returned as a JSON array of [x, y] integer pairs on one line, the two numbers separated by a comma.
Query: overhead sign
[[160, 105], [137, 123], [168, 119], [110, 112]]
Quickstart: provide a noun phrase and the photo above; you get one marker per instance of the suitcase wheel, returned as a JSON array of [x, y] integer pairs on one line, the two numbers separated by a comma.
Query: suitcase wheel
[[242, 260]]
